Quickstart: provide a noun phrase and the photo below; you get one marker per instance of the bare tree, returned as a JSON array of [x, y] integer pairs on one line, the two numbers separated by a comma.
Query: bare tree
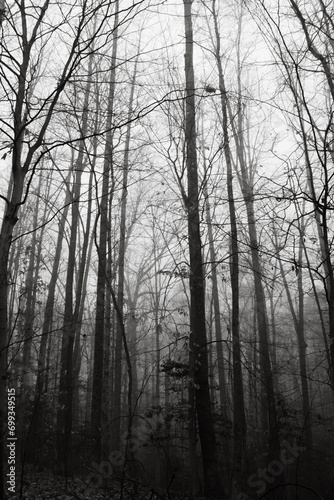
[[32, 108], [305, 59], [198, 343], [96, 416], [72, 300], [238, 393], [299, 323]]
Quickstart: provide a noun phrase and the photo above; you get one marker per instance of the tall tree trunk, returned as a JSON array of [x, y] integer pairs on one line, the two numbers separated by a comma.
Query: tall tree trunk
[[26, 153], [238, 392], [19, 171], [132, 335], [270, 423], [96, 417], [81, 292], [30, 294], [9, 221], [71, 310], [116, 427], [65, 402], [216, 311], [41, 385], [212, 480], [246, 180], [30, 306], [14, 266]]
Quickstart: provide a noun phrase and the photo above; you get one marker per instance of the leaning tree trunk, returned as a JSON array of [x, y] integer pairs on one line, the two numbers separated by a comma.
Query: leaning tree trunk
[[212, 481], [246, 180]]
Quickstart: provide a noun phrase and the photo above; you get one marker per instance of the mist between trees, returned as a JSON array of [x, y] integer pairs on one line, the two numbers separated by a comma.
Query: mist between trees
[[166, 268]]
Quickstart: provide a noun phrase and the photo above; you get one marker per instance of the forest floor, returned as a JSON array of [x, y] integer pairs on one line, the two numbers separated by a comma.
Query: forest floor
[[44, 485]]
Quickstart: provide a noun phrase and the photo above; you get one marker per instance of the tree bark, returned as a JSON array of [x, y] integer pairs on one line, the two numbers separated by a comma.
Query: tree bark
[[72, 297], [30, 296], [246, 179], [116, 427], [216, 312], [42, 369], [212, 481], [239, 452], [96, 416]]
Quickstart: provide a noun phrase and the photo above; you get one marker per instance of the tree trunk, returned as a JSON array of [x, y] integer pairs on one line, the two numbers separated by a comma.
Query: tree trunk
[[72, 300], [42, 369], [96, 417], [321, 219], [25, 155], [81, 292], [320, 311], [298, 319], [269, 420], [30, 306], [321, 204], [116, 427], [238, 392], [216, 311], [212, 480], [30, 293], [9, 221], [65, 404]]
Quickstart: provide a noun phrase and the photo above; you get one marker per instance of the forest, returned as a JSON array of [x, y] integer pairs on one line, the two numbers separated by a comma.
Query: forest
[[166, 267]]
